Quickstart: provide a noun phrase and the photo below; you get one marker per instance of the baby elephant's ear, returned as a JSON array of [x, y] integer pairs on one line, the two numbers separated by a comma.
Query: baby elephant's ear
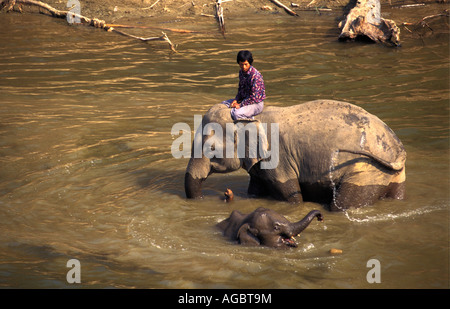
[[247, 236]]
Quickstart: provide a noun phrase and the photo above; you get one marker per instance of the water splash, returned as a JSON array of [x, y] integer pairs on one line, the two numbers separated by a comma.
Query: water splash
[[349, 214], [333, 160]]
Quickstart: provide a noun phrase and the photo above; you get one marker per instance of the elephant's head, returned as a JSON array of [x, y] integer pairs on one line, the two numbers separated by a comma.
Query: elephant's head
[[222, 145], [265, 227]]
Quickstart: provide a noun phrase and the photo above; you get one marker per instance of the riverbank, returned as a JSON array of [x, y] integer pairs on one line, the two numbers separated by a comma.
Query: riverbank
[[199, 15], [116, 11]]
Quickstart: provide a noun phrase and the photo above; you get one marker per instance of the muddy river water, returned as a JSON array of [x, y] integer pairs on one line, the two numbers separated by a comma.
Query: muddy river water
[[86, 170]]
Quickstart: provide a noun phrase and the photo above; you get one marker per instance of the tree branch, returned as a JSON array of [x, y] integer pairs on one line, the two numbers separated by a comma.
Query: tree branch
[[94, 22]]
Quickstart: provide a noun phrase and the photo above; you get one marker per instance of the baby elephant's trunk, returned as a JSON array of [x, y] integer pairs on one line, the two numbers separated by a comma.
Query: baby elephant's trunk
[[299, 226]]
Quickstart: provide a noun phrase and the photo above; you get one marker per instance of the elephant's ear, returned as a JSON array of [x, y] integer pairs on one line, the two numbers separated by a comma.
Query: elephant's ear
[[258, 146], [247, 236]]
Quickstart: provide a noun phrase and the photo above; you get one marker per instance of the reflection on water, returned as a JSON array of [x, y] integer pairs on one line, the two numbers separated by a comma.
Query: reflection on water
[[87, 172]]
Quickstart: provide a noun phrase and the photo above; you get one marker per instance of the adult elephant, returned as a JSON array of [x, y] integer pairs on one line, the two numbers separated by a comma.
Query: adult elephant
[[329, 152]]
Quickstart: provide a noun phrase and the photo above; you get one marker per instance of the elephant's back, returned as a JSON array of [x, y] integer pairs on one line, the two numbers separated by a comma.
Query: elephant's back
[[331, 125]]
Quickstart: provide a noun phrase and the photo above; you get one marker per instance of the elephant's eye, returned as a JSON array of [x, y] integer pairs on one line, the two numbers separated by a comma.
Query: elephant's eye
[[276, 227]]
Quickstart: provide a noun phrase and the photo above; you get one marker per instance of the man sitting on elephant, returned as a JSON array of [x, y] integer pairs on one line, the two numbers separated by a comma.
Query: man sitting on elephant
[[249, 100]]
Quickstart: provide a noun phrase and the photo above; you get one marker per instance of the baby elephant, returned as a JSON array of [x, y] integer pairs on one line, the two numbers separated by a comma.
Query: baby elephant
[[265, 227]]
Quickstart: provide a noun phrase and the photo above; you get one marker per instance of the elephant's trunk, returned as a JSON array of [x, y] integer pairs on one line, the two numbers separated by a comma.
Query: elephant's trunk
[[196, 172], [192, 186], [299, 226]]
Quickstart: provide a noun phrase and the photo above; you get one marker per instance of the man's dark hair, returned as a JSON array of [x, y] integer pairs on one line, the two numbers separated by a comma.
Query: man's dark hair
[[245, 55]]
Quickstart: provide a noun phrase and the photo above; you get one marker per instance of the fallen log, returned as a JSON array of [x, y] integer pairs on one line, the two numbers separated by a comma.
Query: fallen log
[[72, 16], [365, 21]]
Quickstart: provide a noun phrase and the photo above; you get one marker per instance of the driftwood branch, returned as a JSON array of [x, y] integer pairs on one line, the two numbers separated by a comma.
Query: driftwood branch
[[281, 5], [94, 22]]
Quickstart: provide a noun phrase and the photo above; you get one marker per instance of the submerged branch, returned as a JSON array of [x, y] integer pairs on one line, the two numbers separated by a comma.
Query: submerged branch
[[428, 25], [423, 20]]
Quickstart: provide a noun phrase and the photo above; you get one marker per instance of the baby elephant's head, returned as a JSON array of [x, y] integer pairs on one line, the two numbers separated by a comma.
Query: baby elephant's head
[[265, 227]]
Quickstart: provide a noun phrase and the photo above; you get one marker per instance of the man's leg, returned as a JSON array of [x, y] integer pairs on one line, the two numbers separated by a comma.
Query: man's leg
[[247, 112]]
